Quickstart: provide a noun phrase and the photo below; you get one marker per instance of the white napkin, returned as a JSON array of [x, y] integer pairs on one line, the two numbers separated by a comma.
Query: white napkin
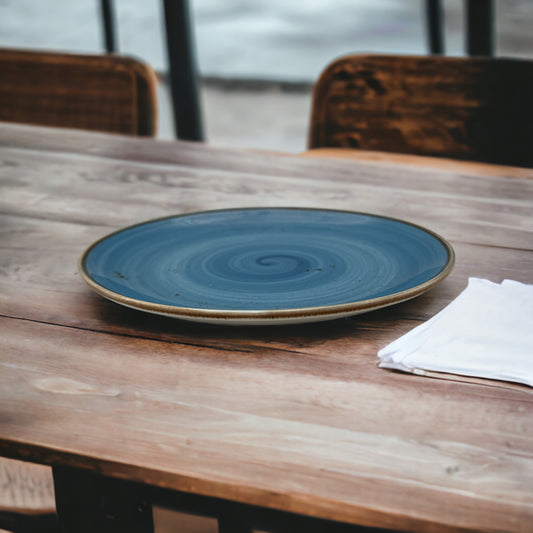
[[486, 332]]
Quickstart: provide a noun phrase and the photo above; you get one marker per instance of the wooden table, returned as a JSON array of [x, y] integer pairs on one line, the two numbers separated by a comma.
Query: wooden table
[[286, 428]]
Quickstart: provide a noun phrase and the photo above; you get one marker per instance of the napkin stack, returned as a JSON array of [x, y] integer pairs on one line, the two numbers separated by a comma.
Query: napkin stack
[[486, 332]]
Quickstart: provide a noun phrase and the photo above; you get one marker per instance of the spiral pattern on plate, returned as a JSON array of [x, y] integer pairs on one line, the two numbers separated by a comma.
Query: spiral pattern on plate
[[265, 259]]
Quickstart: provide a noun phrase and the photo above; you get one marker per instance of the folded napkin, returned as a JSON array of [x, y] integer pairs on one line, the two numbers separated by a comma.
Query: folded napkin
[[486, 332]]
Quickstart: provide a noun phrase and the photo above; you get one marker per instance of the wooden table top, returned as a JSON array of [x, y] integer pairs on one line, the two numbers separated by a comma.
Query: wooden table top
[[295, 418]]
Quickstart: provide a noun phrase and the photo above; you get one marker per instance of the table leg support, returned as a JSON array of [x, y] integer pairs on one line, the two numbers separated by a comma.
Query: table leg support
[[87, 502], [229, 524]]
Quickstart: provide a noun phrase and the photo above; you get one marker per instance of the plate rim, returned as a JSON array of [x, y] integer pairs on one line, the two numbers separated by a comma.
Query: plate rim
[[240, 316]]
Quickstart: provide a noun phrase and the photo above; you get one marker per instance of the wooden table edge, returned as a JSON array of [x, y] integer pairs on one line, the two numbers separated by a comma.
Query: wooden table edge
[[163, 488]]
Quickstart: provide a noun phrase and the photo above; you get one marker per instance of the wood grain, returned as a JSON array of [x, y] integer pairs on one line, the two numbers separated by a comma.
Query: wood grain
[[296, 418]]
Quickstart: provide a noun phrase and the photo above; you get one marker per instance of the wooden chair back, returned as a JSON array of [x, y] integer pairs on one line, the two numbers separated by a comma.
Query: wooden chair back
[[108, 93], [478, 109]]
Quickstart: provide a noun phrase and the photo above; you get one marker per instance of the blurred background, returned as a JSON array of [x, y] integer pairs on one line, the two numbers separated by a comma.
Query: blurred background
[[257, 59]]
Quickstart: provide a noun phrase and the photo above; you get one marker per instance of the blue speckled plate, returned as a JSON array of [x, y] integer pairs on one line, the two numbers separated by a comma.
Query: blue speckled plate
[[266, 266]]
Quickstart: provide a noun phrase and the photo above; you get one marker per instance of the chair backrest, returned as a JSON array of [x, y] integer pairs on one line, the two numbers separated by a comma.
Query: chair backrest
[[478, 109], [107, 93]]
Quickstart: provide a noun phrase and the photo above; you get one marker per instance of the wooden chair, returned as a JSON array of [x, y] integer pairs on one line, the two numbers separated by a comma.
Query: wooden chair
[[26, 498], [478, 109], [106, 93]]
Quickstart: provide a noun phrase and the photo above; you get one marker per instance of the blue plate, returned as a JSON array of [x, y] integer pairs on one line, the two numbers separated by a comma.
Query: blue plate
[[266, 266]]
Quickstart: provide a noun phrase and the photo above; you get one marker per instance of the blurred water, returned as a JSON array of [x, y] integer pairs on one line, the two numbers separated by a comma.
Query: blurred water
[[295, 40], [266, 39]]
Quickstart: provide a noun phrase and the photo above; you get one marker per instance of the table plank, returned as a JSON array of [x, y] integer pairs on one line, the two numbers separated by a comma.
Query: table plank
[[463, 208], [128, 148], [181, 401], [295, 418]]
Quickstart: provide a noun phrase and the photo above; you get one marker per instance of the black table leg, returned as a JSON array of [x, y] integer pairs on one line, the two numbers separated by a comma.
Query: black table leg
[[229, 524], [87, 502]]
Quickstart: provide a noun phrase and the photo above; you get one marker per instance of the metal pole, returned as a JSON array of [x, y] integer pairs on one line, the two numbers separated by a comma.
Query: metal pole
[[480, 27], [182, 70], [108, 18], [434, 26]]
